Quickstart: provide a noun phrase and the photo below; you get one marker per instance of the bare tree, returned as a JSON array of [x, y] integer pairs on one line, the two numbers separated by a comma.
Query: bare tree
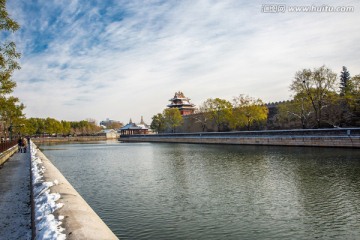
[[316, 86]]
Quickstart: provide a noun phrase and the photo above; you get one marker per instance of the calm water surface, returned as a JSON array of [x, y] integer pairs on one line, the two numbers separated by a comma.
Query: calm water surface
[[183, 191]]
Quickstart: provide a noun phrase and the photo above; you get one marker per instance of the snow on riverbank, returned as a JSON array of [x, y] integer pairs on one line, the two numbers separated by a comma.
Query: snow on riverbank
[[47, 225]]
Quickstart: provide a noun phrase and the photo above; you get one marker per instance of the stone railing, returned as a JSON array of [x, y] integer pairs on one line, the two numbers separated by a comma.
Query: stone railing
[[7, 145], [4, 156]]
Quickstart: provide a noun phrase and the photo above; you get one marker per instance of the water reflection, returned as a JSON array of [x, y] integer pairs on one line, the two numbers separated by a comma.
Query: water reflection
[[181, 191]]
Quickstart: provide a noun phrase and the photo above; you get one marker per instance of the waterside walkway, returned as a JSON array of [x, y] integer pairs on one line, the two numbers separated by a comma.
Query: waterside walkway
[[15, 208], [60, 212]]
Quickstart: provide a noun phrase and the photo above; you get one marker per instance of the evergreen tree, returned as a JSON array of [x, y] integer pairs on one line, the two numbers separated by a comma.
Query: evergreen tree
[[344, 80]]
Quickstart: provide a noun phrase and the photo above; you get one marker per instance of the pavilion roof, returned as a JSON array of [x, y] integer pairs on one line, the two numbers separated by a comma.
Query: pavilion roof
[[133, 126], [130, 126]]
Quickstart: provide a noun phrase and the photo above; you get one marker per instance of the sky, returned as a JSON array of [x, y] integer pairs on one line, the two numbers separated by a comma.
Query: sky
[[125, 59]]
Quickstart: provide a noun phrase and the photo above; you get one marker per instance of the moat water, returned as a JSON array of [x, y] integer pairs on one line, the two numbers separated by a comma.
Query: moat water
[[184, 191]]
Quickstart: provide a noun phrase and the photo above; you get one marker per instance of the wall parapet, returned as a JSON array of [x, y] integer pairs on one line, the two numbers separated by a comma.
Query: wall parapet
[[4, 156]]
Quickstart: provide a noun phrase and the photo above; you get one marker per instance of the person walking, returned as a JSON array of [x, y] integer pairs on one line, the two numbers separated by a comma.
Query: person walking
[[24, 143], [20, 145]]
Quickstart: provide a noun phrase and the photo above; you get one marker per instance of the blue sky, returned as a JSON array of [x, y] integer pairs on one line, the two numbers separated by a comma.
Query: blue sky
[[124, 59]]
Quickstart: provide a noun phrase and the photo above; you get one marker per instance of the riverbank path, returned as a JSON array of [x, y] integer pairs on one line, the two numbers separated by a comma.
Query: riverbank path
[[15, 206]]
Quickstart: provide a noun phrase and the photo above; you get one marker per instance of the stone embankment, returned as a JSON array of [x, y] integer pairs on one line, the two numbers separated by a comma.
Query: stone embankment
[[75, 218], [345, 137]]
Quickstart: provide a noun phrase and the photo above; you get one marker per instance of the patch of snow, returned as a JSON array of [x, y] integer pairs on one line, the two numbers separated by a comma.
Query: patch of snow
[[47, 226]]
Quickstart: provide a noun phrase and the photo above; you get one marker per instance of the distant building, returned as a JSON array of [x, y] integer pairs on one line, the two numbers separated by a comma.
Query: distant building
[[108, 122], [110, 133], [182, 103], [133, 128]]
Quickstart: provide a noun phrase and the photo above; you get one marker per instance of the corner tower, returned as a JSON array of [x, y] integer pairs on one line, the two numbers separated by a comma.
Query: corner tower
[[182, 103]]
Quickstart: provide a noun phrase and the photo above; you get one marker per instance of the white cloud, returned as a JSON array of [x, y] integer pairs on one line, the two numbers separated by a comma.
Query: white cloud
[[97, 66]]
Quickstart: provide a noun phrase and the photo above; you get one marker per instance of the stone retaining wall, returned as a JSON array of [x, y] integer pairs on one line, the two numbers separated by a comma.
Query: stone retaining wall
[[80, 221], [315, 138], [276, 141]]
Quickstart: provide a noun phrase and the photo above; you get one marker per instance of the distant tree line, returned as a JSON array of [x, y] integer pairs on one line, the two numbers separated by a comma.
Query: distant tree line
[[53, 127], [320, 100]]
